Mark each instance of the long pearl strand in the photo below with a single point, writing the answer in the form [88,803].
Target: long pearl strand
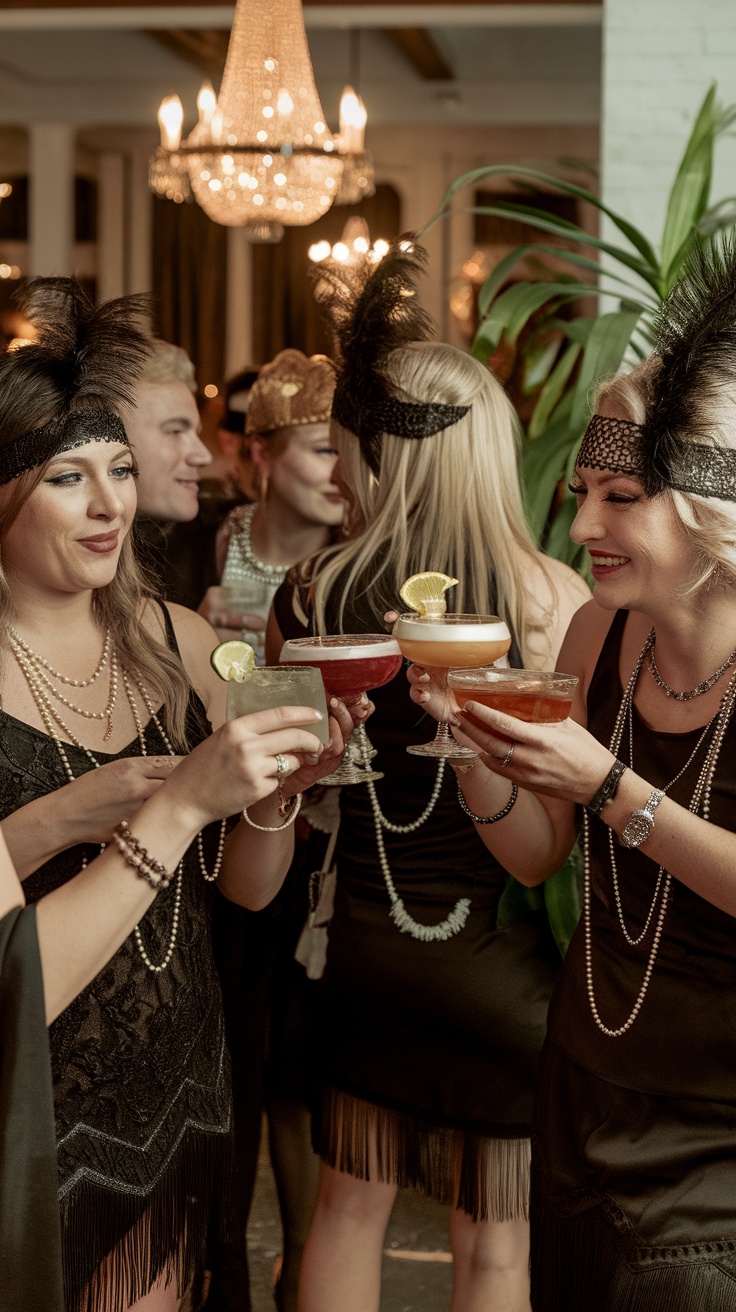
[700,798]
[404,922]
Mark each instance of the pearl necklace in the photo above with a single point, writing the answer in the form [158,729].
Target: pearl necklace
[42,672]
[52,720]
[249,566]
[398,913]
[705,686]
[700,798]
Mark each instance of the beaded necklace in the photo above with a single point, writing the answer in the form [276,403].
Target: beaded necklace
[245,563]
[405,923]
[700,800]
[29,663]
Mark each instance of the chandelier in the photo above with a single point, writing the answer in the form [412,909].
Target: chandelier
[354,245]
[358,178]
[261,155]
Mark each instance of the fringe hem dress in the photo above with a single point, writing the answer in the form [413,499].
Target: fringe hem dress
[634,1175]
[427,1052]
[140,1070]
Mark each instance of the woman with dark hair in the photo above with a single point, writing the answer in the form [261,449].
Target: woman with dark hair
[634,1201]
[105,742]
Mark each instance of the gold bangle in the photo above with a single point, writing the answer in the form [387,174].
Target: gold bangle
[275,829]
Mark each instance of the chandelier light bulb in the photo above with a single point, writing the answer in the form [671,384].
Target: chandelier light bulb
[170,119]
[319,251]
[340,252]
[206,103]
[284,104]
[353,118]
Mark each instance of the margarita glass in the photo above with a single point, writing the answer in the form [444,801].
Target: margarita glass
[537,696]
[440,641]
[350,664]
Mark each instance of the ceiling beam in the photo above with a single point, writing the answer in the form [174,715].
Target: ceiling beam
[205,48]
[418,46]
[58,15]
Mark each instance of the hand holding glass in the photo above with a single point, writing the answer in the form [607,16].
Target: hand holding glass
[268,686]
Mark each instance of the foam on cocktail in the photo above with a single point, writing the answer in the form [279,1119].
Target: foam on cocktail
[333,649]
[419,629]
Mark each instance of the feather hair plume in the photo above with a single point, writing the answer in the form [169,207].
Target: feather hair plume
[373,310]
[696,342]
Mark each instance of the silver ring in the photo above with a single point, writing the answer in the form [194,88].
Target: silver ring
[282,767]
[507,757]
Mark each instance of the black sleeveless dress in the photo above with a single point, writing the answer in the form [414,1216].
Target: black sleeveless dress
[634,1199]
[139,1064]
[432,1047]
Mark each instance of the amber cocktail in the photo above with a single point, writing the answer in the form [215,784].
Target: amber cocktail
[350,664]
[537,696]
[441,641]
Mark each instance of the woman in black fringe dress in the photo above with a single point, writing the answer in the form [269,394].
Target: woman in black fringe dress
[634,1166]
[139,1065]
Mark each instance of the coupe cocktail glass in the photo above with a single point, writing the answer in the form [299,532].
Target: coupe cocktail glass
[537,696]
[267,686]
[440,641]
[350,664]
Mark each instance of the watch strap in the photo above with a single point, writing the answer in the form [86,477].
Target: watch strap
[608,788]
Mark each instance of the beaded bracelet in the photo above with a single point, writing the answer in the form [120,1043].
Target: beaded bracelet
[487,819]
[275,829]
[136,855]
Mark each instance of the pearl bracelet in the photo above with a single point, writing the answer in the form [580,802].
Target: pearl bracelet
[275,829]
[487,819]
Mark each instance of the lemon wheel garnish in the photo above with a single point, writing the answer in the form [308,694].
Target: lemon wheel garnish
[425,593]
[233,660]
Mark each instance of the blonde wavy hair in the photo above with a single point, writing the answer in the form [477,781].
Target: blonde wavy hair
[709,522]
[121,607]
[450,502]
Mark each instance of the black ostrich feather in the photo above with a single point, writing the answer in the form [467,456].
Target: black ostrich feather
[373,310]
[91,356]
[696,342]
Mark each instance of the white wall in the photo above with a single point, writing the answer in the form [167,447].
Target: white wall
[659,58]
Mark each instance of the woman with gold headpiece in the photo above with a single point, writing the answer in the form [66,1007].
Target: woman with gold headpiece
[634,1199]
[430,1037]
[104,743]
[297,509]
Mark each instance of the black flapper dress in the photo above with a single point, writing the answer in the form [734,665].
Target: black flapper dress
[430,1050]
[634,1197]
[139,1065]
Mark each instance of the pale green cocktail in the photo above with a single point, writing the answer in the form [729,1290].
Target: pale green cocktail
[267,686]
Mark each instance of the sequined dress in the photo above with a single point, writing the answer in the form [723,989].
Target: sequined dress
[139,1065]
[253,582]
[431,1047]
[634,1194]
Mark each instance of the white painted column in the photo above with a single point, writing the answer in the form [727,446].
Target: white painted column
[110,226]
[51,170]
[140,225]
[239,316]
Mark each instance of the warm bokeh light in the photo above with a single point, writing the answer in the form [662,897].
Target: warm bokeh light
[170,119]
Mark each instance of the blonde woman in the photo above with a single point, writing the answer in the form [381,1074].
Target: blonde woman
[105,742]
[429,1047]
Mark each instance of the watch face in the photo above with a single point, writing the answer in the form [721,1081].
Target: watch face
[638,828]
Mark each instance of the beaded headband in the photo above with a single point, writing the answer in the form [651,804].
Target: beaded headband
[617,445]
[63,433]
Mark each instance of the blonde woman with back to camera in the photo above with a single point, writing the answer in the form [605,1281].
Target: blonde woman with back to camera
[428,1048]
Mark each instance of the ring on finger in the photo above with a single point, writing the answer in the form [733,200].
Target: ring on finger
[282,768]
[507,758]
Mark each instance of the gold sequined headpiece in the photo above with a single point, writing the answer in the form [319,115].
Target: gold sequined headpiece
[292,390]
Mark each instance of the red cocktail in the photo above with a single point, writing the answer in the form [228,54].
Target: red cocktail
[350,664]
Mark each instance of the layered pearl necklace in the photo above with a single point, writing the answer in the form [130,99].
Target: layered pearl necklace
[244,563]
[405,923]
[700,800]
[38,674]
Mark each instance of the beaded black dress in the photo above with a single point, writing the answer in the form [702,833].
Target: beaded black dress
[634,1166]
[139,1065]
[431,1046]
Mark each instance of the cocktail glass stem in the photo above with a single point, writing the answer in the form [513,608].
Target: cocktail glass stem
[443,744]
[353,769]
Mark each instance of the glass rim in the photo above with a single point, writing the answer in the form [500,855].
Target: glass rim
[495,674]
[452,617]
[339,640]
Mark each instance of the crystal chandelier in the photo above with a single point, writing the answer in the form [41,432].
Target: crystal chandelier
[261,155]
[353,246]
[168,174]
[358,177]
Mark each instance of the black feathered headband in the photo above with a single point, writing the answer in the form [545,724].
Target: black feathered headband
[372,309]
[83,367]
[696,345]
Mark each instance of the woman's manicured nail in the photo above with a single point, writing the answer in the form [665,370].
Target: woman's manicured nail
[333,703]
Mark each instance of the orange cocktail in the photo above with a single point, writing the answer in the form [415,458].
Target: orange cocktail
[441,641]
[537,696]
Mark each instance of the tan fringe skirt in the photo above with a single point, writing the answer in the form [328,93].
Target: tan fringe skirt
[487,1178]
